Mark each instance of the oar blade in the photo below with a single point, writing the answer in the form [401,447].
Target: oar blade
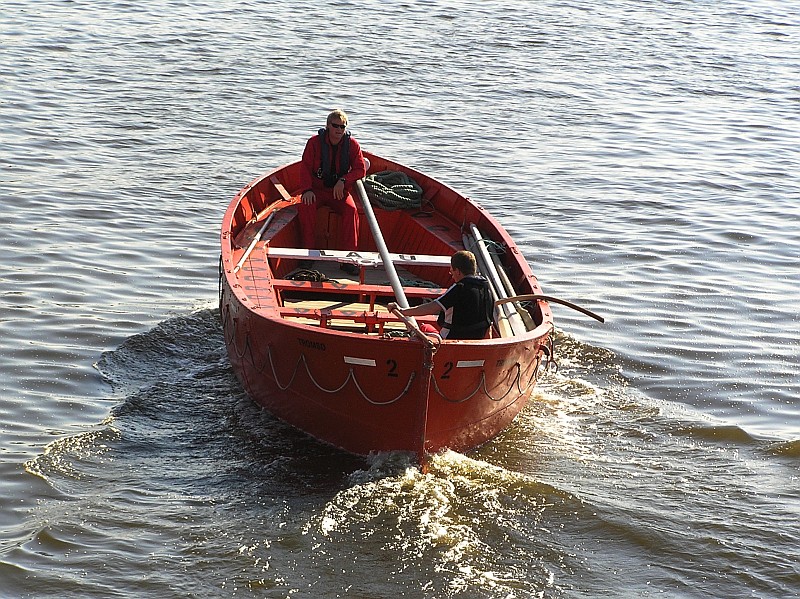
[248,233]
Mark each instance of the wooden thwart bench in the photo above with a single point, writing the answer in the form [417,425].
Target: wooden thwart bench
[366,293]
[366,311]
[345,315]
[359,258]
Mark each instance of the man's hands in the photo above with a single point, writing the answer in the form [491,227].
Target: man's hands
[338,190]
[308,197]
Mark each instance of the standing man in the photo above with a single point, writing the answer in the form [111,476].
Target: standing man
[333,163]
[466,309]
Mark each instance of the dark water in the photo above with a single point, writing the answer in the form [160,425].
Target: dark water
[644,156]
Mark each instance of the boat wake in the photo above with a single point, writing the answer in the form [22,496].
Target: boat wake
[458,517]
[188,474]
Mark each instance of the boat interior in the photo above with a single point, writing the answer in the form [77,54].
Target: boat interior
[322,294]
[325,295]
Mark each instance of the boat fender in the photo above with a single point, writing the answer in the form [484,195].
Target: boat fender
[549,352]
[326,171]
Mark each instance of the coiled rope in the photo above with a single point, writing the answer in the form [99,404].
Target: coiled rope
[393,190]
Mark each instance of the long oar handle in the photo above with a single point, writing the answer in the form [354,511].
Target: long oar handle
[548,298]
[272,209]
[253,243]
[391,271]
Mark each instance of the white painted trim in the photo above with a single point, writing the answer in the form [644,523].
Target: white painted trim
[469,363]
[359,361]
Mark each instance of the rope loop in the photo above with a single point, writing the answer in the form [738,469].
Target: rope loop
[393,190]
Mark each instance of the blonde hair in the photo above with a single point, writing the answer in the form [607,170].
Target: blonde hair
[337,113]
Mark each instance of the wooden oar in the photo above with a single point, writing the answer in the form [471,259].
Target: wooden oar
[510,291]
[253,243]
[274,207]
[412,326]
[508,321]
[548,298]
[250,230]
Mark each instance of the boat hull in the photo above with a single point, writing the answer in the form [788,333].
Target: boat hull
[367,393]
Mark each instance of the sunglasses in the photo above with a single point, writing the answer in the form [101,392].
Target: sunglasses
[342,127]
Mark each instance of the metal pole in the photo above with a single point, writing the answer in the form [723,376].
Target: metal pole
[399,294]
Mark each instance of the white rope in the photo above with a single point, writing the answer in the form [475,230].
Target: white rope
[350,375]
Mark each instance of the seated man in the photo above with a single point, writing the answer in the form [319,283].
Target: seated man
[466,308]
[333,163]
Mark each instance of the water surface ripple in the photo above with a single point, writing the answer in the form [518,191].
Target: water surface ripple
[645,158]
